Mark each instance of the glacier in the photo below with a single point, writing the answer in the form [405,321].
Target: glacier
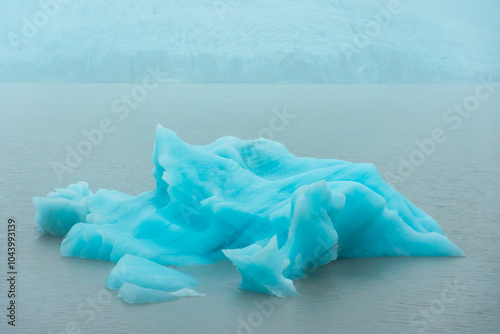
[135,294]
[271,213]
[317,41]
[147,274]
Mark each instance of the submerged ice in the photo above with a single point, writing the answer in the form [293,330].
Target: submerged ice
[147,274]
[250,201]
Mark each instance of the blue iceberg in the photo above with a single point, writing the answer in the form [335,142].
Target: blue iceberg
[147,274]
[250,201]
[142,281]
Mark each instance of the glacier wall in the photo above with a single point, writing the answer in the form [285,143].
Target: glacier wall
[318,41]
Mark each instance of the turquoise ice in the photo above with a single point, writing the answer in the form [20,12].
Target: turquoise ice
[147,274]
[62,209]
[134,294]
[142,281]
[251,201]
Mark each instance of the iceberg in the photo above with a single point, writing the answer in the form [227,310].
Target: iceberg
[62,209]
[142,281]
[273,214]
[147,274]
[134,294]
[261,269]
[186,292]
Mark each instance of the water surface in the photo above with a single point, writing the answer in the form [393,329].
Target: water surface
[458,184]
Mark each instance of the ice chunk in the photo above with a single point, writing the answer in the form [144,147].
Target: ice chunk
[261,269]
[62,209]
[143,281]
[312,239]
[272,213]
[311,242]
[186,292]
[134,294]
[147,274]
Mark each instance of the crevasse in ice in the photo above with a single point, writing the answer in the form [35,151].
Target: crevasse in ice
[250,201]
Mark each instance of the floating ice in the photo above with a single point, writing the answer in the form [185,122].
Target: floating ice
[62,209]
[147,274]
[186,292]
[262,269]
[143,281]
[273,214]
[134,294]
[311,242]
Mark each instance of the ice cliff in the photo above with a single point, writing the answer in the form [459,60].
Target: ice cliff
[338,41]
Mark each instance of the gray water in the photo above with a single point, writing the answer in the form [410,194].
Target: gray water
[458,184]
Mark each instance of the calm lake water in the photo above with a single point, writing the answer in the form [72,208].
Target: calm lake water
[457,182]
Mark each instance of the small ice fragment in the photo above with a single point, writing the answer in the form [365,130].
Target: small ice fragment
[134,294]
[147,274]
